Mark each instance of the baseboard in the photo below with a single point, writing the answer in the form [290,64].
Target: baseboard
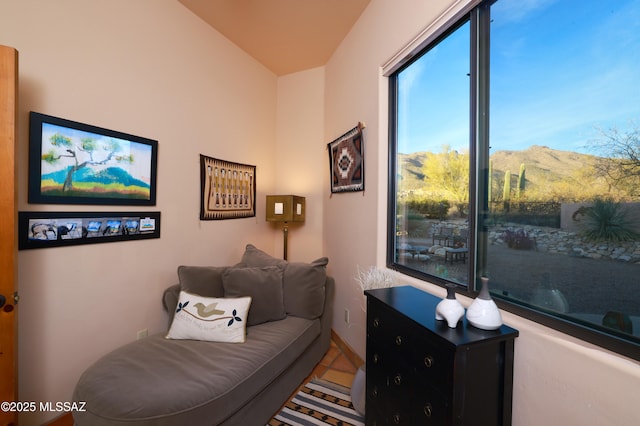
[346,349]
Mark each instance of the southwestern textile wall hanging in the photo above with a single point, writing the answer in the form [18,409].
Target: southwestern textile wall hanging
[228,189]
[346,158]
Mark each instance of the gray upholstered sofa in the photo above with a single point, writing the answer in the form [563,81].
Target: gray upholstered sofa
[182,381]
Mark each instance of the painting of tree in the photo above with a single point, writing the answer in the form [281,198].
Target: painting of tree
[90,165]
[95,154]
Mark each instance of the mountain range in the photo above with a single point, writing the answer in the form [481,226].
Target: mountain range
[543,165]
[104,177]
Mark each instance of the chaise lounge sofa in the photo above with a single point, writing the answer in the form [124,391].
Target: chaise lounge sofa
[178,378]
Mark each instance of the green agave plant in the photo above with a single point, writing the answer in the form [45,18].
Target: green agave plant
[607,221]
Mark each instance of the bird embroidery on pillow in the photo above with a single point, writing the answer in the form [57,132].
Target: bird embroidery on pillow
[208,310]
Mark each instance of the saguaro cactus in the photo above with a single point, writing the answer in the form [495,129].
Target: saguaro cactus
[521,180]
[506,191]
[490,183]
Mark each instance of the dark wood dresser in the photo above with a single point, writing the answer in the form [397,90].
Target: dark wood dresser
[421,372]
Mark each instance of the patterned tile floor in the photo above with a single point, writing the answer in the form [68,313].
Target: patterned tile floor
[335,367]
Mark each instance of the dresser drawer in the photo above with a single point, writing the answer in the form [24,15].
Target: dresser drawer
[389,372]
[391,333]
[389,396]
[383,324]
[433,365]
[386,406]
[430,409]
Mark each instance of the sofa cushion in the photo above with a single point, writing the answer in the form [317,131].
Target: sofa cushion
[171,382]
[253,256]
[170,300]
[304,288]
[210,319]
[263,285]
[202,280]
[303,283]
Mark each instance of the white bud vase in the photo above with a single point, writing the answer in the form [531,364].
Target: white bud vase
[450,309]
[483,312]
[359,391]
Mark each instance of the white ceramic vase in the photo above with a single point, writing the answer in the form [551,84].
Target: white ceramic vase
[450,309]
[483,312]
[358,391]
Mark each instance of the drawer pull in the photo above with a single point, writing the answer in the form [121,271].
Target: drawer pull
[376,322]
[374,392]
[398,340]
[376,358]
[397,379]
[428,361]
[428,410]
[396,419]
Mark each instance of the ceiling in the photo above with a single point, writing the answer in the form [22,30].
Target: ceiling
[286,36]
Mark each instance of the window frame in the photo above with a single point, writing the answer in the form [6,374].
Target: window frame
[392,211]
[479,16]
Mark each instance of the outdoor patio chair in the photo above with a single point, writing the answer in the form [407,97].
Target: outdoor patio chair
[442,234]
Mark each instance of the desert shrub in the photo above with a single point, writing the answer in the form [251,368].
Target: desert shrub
[431,209]
[607,221]
[551,221]
[518,239]
[412,224]
[534,213]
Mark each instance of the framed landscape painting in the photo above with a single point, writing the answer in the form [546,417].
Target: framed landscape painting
[75,163]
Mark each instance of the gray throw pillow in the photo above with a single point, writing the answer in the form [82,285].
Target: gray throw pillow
[202,280]
[255,257]
[263,285]
[304,288]
[303,283]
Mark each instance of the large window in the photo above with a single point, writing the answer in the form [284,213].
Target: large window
[515,154]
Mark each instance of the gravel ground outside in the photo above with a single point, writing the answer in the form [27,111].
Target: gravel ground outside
[591,286]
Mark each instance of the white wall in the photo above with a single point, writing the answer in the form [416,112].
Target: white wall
[301,159]
[355,223]
[149,68]
[558,380]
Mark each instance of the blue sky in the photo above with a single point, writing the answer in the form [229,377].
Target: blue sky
[561,70]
